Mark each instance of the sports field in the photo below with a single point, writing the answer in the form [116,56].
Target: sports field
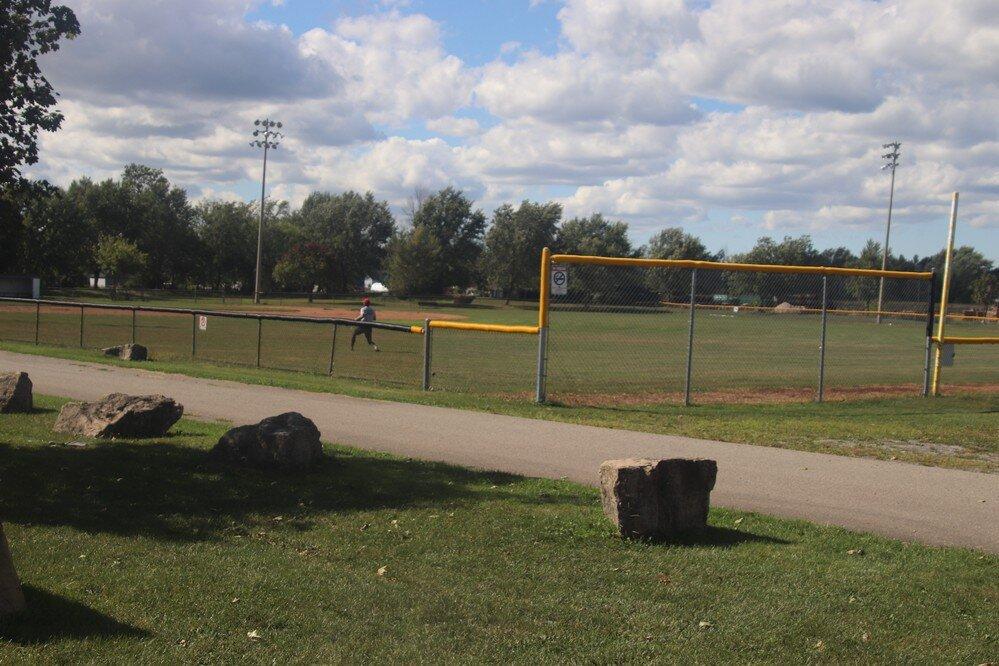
[598,357]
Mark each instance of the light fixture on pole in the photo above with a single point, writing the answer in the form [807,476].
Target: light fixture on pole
[267,130]
[891,162]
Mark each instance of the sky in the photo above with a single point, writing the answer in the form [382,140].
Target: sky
[733,119]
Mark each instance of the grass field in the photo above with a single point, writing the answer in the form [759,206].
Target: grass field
[955,430]
[593,357]
[147,552]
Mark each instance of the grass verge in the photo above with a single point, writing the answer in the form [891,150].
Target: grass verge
[955,431]
[148,552]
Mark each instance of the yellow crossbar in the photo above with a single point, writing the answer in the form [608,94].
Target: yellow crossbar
[722,266]
[966,341]
[489,328]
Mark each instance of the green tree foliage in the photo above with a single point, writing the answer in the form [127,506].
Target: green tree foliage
[773,288]
[43,234]
[593,235]
[28,29]
[304,266]
[966,265]
[672,285]
[985,289]
[596,235]
[227,231]
[415,259]
[449,218]
[120,259]
[514,243]
[354,228]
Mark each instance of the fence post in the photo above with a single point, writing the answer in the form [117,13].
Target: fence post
[540,389]
[332,349]
[38,313]
[822,339]
[194,333]
[133,326]
[427,351]
[260,322]
[690,337]
[944,296]
[930,305]
[81,327]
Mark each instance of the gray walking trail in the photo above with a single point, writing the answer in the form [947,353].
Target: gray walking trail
[912,502]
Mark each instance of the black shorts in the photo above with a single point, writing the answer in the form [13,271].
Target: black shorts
[362,330]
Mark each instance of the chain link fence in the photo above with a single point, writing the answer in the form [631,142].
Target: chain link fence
[276,342]
[641,333]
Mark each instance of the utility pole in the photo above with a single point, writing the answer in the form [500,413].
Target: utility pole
[891,162]
[270,136]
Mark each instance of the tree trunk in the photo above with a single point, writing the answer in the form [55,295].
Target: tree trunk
[11,597]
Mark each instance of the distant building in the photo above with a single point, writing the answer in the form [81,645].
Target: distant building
[20,286]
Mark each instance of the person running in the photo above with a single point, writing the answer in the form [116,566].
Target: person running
[367,315]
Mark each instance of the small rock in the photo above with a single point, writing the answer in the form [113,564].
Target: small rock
[288,441]
[15,393]
[129,352]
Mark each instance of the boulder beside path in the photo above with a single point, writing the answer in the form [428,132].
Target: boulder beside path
[129,352]
[287,441]
[657,499]
[15,393]
[120,415]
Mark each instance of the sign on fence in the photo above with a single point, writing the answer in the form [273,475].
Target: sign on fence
[202,322]
[947,355]
[560,280]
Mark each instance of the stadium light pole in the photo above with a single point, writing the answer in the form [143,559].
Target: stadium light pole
[891,162]
[268,135]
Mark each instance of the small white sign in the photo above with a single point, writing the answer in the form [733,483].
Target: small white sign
[202,322]
[560,280]
[947,355]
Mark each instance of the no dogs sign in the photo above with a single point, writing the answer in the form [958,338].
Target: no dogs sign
[560,280]
[202,323]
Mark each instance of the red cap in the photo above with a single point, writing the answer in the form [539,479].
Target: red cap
[366,301]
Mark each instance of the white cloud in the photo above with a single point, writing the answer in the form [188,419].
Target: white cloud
[451,126]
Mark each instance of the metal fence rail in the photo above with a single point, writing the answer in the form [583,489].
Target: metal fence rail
[273,341]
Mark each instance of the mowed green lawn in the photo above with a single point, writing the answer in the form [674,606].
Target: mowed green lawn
[148,552]
[594,357]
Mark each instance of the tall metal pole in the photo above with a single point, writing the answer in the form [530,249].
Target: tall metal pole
[822,338]
[944,296]
[332,350]
[38,316]
[260,227]
[690,337]
[544,291]
[931,302]
[270,135]
[892,157]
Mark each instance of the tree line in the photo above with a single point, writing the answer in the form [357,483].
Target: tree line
[139,230]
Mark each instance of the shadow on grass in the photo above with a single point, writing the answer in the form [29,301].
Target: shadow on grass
[173,492]
[50,617]
[720,537]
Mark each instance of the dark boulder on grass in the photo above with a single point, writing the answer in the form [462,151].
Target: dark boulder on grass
[15,393]
[120,415]
[657,499]
[288,441]
[129,352]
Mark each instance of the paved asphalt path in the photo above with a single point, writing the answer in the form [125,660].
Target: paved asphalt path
[927,504]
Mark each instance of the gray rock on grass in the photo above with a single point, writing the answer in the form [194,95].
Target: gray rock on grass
[129,352]
[15,393]
[288,441]
[657,499]
[120,415]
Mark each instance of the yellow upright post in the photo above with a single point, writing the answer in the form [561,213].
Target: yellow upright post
[539,386]
[944,295]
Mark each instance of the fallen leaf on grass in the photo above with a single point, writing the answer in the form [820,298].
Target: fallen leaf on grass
[865,637]
[704,624]
[738,521]
[664,579]
[382,571]
[820,646]
[855,551]
[253,635]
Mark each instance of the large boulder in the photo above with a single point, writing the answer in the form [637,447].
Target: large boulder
[15,392]
[657,499]
[288,441]
[129,352]
[11,597]
[120,415]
